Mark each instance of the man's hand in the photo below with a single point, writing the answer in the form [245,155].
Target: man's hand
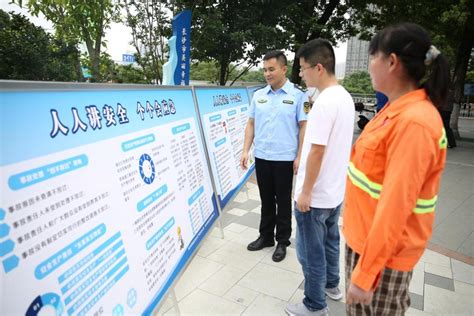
[296,164]
[303,202]
[356,295]
[243,160]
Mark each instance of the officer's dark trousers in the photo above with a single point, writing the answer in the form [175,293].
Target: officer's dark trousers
[275,180]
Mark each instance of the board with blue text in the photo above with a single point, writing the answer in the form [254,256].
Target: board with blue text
[105,195]
[224,117]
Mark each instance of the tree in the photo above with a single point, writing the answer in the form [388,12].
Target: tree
[463,15]
[78,21]
[358,82]
[150,27]
[470,72]
[62,62]
[29,53]
[450,24]
[304,20]
[253,76]
[129,74]
[232,33]
[24,49]
[209,71]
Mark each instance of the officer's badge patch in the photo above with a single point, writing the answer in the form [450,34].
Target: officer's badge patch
[262,101]
[306,107]
[288,101]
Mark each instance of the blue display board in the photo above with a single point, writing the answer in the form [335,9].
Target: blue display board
[106,194]
[251,90]
[224,116]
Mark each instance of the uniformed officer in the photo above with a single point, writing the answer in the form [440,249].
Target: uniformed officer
[276,125]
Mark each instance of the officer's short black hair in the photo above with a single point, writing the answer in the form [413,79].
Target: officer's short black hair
[318,51]
[278,54]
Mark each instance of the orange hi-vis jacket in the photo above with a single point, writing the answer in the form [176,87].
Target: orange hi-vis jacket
[393,181]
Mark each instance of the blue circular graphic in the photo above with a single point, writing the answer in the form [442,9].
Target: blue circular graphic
[147,168]
[51,299]
[132,298]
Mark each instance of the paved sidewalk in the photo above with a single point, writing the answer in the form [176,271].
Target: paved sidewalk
[226,279]
[454,222]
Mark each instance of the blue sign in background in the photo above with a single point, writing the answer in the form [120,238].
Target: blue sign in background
[182,30]
[127,58]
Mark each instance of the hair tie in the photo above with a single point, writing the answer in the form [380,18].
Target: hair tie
[431,55]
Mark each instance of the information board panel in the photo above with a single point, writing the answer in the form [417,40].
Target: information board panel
[224,116]
[106,194]
[251,90]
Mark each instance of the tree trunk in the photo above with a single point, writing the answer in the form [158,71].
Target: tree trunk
[77,66]
[295,71]
[95,71]
[463,55]
[223,73]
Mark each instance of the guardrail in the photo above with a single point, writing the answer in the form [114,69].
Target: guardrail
[466,110]
[364,98]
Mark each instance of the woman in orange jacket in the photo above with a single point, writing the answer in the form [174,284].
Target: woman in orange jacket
[394,172]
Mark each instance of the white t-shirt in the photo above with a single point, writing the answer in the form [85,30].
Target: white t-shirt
[330,123]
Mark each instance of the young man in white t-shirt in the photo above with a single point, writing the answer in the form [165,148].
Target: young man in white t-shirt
[321,179]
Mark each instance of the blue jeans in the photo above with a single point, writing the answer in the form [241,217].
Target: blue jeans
[317,248]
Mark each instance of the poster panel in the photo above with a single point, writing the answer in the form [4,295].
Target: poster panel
[251,90]
[224,116]
[105,195]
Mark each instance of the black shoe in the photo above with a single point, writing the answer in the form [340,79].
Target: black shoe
[280,253]
[260,243]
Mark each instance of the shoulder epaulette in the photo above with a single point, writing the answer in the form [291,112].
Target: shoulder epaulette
[300,87]
[260,87]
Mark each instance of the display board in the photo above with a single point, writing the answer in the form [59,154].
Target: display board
[105,195]
[251,90]
[224,116]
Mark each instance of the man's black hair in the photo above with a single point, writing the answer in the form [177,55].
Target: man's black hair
[278,54]
[318,51]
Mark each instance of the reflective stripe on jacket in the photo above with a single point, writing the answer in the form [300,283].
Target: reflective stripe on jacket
[393,182]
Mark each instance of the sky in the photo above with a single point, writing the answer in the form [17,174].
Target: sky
[118,36]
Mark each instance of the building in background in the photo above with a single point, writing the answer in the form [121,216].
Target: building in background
[357,58]
[340,70]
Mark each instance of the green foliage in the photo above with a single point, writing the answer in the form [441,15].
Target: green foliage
[78,21]
[150,26]
[253,76]
[470,71]
[27,52]
[61,65]
[209,71]
[440,18]
[128,74]
[450,24]
[470,77]
[358,82]
[231,33]
[304,20]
